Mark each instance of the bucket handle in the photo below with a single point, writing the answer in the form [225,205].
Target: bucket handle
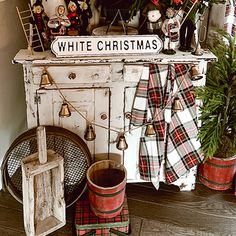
[118,233]
[42,144]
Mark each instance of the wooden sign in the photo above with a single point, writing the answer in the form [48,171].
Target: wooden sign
[82,46]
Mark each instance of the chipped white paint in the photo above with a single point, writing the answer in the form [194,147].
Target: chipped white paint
[103,85]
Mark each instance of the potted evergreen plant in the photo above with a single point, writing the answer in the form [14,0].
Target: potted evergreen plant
[217,133]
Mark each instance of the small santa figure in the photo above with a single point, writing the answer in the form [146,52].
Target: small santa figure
[152,13]
[74,28]
[170,29]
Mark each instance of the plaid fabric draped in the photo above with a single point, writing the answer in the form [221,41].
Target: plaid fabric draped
[175,141]
[230,18]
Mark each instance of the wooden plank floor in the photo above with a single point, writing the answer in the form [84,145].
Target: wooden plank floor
[165,212]
[171,212]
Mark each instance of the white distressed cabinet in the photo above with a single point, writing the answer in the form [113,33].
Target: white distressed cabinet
[102,90]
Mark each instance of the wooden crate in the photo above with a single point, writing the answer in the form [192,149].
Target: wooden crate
[43,190]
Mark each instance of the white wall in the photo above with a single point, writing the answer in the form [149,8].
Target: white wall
[12,99]
[216,21]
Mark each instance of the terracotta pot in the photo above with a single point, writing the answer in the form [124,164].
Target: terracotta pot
[217,173]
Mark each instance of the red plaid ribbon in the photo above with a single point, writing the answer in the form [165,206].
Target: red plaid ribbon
[176,140]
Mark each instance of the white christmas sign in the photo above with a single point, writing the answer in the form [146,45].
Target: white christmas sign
[82,46]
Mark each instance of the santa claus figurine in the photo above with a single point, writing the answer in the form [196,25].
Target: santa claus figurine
[74,28]
[170,29]
[151,12]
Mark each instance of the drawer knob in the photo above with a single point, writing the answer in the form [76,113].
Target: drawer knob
[128,115]
[72,75]
[103,116]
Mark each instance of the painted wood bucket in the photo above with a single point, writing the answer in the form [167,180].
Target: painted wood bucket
[106,188]
[217,173]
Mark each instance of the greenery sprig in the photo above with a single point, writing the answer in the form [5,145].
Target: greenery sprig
[218,113]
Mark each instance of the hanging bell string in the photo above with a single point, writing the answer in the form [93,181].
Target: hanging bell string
[65,110]
[121,143]
[46,80]
[150,130]
[113,129]
[89,134]
[169,102]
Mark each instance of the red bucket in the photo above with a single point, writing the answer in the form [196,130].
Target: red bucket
[106,188]
[217,173]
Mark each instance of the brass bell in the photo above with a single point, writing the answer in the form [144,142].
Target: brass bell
[46,80]
[121,144]
[89,134]
[177,106]
[195,74]
[65,111]
[150,131]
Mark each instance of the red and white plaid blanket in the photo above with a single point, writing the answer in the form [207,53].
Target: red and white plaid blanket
[176,141]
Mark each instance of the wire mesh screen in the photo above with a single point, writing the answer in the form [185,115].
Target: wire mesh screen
[70,146]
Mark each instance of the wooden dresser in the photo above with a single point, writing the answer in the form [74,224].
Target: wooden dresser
[102,90]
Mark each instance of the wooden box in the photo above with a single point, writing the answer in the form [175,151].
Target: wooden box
[43,191]
[89,224]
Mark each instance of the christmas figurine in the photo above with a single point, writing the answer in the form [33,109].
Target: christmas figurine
[59,22]
[188,26]
[41,19]
[85,13]
[151,12]
[170,29]
[74,28]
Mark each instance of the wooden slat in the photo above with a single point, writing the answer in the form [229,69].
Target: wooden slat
[182,217]
[185,201]
[42,144]
[11,218]
[163,212]
[11,232]
[7,201]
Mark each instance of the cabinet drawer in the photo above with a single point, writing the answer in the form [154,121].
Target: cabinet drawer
[74,74]
[132,73]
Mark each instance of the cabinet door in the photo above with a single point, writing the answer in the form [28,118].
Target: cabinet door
[86,105]
[132,153]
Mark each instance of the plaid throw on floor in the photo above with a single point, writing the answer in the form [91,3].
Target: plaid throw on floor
[175,141]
